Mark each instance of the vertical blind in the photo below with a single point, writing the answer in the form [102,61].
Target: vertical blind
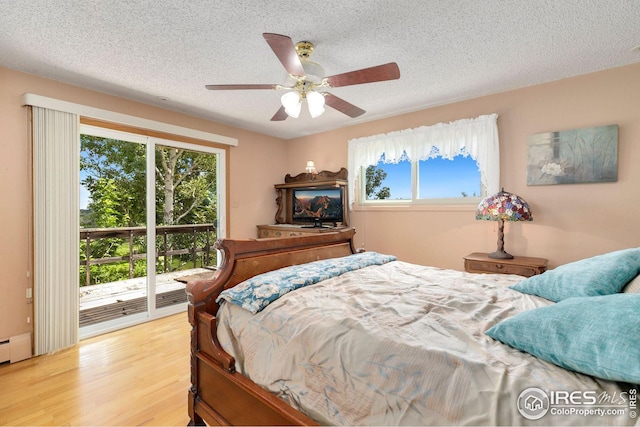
[56,155]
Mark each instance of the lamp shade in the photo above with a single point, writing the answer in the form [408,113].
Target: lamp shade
[291,102]
[315,102]
[503,206]
[311,167]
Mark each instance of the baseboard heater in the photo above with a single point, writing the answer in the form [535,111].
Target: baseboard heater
[15,348]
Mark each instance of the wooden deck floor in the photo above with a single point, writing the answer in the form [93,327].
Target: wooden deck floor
[108,301]
[135,376]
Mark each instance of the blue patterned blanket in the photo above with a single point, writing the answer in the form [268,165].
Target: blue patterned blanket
[259,291]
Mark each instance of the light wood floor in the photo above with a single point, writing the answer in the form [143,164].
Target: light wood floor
[136,376]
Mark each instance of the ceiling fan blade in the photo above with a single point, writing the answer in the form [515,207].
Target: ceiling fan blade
[342,105]
[378,73]
[280,115]
[285,50]
[240,87]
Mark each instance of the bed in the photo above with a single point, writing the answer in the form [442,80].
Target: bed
[306,331]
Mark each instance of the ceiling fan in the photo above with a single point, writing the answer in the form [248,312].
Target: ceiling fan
[307,77]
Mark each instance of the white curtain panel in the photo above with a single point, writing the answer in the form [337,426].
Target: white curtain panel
[56,159]
[478,137]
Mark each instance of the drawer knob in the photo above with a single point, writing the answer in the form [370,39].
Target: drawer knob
[499,266]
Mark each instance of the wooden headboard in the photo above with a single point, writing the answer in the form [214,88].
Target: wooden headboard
[242,259]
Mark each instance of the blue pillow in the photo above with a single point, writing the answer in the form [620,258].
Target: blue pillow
[597,336]
[600,275]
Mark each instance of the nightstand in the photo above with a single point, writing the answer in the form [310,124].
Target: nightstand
[479,262]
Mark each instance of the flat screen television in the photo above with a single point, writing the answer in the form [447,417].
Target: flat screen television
[317,206]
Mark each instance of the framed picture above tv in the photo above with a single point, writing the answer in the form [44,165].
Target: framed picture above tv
[317,206]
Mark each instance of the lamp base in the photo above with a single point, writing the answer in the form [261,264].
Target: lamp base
[500,255]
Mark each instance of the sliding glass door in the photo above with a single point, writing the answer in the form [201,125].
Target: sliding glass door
[148,214]
[186,212]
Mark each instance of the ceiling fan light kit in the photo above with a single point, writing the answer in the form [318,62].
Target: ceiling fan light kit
[315,101]
[292,104]
[307,76]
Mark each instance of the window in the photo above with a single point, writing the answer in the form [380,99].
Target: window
[438,179]
[135,189]
[456,162]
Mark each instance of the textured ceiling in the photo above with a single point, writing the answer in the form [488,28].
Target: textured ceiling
[163,52]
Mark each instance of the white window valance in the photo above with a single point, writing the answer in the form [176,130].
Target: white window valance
[475,137]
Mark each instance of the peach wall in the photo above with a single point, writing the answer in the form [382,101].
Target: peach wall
[251,183]
[570,221]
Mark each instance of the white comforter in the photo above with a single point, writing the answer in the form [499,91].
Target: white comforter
[399,344]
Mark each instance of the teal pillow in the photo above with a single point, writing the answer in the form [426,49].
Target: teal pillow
[600,275]
[597,336]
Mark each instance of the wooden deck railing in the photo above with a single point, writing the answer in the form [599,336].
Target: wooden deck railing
[92,234]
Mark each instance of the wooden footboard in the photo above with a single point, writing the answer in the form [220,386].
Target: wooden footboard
[219,395]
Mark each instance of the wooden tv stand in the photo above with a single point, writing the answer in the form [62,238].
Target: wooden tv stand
[291,230]
[322,179]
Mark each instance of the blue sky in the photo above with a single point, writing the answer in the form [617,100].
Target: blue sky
[84,193]
[438,178]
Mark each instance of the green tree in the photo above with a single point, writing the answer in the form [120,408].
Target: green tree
[186,193]
[186,185]
[374,178]
[114,173]
[107,202]
[115,176]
